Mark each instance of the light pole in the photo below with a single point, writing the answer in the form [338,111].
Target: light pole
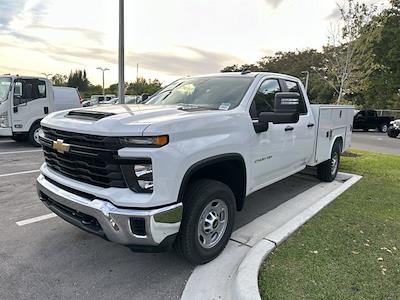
[103,70]
[307,78]
[121,55]
[47,75]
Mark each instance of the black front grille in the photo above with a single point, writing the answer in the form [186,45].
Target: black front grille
[84,140]
[90,159]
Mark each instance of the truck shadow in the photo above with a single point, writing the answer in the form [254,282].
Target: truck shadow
[267,199]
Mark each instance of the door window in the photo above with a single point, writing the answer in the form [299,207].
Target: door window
[295,88]
[264,101]
[26,90]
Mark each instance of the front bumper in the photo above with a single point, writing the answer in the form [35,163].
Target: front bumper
[129,227]
[6,131]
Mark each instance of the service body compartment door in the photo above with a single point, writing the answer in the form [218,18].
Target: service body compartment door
[333,121]
[323,141]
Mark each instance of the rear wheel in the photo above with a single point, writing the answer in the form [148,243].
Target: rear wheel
[207,224]
[328,170]
[33,135]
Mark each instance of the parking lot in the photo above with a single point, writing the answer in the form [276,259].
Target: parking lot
[41,256]
[375,141]
[45,257]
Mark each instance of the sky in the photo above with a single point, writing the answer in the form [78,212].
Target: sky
[168,39]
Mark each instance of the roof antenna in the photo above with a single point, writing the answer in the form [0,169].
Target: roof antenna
[244,72]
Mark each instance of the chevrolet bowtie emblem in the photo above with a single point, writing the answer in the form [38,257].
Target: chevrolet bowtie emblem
[59,146]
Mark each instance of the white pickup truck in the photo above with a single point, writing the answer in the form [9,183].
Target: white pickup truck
[26,100]
[177,169]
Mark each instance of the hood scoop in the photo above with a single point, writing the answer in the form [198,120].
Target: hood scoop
[88,115]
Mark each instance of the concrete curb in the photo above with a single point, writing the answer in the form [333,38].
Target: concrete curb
[245,284]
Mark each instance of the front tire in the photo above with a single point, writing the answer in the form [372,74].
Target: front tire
[33,135]
[208,218]
[328,170]
[19,137]
[392,132]
[383,128]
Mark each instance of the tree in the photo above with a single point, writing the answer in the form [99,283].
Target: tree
[141,86]
[78,79]
[59,80]
[343,45]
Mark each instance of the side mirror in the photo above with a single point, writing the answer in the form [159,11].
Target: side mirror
[286,109]
[287,102]
[279,118]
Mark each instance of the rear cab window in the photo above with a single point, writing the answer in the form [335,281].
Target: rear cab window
[294,87]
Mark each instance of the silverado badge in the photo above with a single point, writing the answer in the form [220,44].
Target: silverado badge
[59,146]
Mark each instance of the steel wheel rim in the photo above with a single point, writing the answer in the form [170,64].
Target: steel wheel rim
[212,224]
[37,134]
[334,163]
[384,128]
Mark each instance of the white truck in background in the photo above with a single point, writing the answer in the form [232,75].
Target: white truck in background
[177,169]
[25,101]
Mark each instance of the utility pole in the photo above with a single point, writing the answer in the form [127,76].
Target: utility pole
[121,54]
[137,72]
[307,78]
[103,70]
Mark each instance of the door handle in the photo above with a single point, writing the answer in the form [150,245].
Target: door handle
[310,125]
[289,128]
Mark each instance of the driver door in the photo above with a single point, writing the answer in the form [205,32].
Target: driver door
[271,148]
[30,103]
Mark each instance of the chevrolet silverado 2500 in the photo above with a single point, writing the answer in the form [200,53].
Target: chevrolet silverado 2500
[177,169]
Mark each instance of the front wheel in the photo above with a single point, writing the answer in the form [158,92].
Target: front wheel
[328,170]
[207,224]
[392,132]
[383,128]
[34,134]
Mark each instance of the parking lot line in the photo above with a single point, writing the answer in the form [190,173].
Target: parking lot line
[17,152]
[19,173]
[36,219]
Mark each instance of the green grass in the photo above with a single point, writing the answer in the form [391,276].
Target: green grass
[350,250]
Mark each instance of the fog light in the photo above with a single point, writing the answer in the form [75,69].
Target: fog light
[138,226]
[114,224]
[144,175]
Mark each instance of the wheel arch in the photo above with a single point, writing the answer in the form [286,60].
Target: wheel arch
[217,168]
[339,139]
[37,121]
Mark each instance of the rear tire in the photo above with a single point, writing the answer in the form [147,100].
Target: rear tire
[208,218]
[328,170]
[33,135]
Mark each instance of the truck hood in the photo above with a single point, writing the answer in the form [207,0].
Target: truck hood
[119,120]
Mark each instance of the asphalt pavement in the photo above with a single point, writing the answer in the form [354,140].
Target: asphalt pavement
[375,141]
[49,258]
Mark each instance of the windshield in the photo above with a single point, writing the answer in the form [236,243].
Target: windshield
[5,84]
[222,93]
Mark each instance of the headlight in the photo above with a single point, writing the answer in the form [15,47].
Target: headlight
[145,141]
[4,120]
